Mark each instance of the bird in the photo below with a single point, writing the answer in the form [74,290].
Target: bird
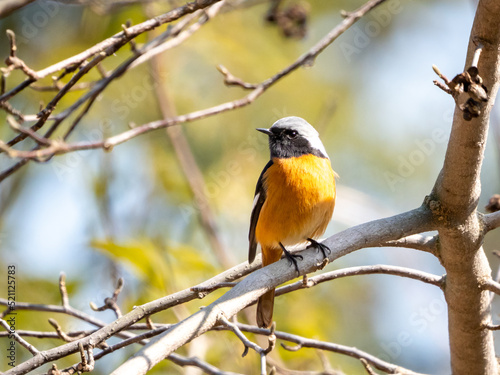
[294,199]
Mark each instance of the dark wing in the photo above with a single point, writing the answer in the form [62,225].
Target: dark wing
[258,201]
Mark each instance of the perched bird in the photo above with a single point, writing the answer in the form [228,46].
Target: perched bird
[294,199]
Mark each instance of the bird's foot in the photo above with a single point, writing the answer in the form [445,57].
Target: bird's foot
[292,258]
[325,250]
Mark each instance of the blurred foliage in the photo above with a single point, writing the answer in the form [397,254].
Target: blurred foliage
[130,213]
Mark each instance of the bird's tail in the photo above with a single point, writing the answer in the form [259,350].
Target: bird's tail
[265,305]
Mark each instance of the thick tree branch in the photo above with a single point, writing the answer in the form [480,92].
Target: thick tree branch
[248,290]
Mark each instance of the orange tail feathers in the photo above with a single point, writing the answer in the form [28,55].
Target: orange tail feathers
[265,306]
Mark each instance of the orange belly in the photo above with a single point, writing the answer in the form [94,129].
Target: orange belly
[299,202]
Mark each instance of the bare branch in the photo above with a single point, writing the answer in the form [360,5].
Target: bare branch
[61,334]
[110,302]
[114,43]
[14,62]
[303,342]
[28,132]
[306,59]
[211,288]
[231,80]
[47,335]
[367,367]
[148,51]
[491,285]
[9,6]
[492,327]
[363,270]
[18,338]
[63,290]
[455,197]
[491,221]
[248,290]
[118,325]
[196,362]
[246,342]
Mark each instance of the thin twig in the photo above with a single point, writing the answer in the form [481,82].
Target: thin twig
[90,96]
[63,291]
[27,131]
[18,338]
[477,55]
[246,342]
[304,60]
[61,334]
[115,42]
[47,335]
[303,342]
[110,303]
[367,367]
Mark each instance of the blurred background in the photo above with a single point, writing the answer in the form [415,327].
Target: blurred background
[131,212]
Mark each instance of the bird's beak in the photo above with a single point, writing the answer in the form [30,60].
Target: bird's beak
[265,131]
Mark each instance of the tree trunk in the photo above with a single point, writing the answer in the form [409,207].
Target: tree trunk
[454,202]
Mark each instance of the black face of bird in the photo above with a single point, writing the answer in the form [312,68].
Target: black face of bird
[287,143]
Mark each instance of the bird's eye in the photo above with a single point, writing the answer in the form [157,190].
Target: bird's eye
[291,134]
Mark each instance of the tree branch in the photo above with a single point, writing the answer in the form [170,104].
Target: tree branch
[9,6]
[248,290]
[125,321]
[416,241]
[305,60]
[18,338]
[491,221]
[149,50]
[491,285]
[363,270]
[115,42]
[350,351]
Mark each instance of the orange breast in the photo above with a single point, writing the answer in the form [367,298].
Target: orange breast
[299,203]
